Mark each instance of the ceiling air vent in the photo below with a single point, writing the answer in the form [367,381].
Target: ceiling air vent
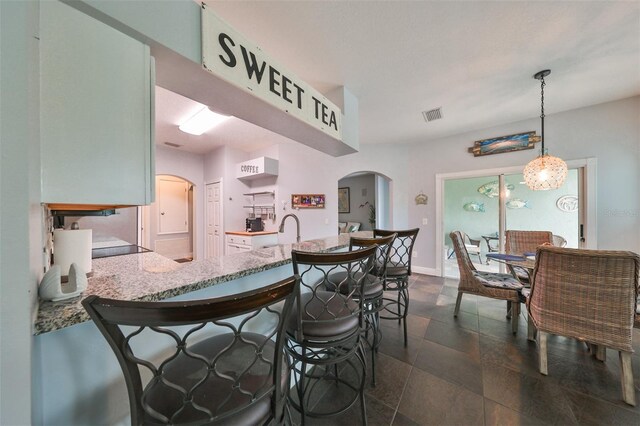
[431,115]
[175,145]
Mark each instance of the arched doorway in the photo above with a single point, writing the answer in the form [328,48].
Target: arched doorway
[168,224]
[364,202]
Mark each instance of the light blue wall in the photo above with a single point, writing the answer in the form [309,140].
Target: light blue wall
[21,258]
[457,193]
[541,213]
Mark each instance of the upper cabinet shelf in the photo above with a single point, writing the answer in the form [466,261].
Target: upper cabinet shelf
[96,97]
[260,193]
[257,168]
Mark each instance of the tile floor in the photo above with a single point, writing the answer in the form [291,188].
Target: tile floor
[473,371]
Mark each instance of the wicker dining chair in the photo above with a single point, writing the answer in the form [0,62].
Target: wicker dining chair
[588,295]
[223,363]
[520,242]
[473,247]
[559,241]
[487,284]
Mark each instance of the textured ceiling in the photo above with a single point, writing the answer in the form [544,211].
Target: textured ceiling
[473,59]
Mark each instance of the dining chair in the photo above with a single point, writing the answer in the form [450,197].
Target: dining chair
[589,295]
[559,241]
[487,284]
[223,362]
[324,330]
[398,271]
[373,290]
[473,247]
[521,242]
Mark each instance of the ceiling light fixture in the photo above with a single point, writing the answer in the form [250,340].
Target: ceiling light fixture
[201,121]
[545,172]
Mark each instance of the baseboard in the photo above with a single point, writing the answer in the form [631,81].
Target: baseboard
[425,271]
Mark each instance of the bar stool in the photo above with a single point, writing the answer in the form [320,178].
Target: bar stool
[397,274]
[325,326]
[373,291]
[224,364]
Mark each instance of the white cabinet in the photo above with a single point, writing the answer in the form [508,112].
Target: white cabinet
[96,101]
[239,242]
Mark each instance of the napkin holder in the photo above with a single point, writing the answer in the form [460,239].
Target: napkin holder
[52,288]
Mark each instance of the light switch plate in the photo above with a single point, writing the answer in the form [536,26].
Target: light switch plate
[414,253]
[425,221]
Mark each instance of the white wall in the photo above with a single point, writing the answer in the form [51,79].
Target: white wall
[303,170]
[608,132]
[221,164]
[361,190]
[21,228]
[187,166]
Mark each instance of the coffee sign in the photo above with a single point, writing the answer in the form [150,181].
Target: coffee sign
[227,54]
[257,168]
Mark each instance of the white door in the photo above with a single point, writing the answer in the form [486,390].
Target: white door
[214,220]
[173,206]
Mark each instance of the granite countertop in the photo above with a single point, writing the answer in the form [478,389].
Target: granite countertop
[152,277]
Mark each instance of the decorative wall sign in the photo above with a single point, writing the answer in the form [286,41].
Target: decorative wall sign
[421,198]
[567,203]
[257,168]
[343,200]
[229,55]
[502,144]
[492,189]
[474,207]
[307,201]
[517,203]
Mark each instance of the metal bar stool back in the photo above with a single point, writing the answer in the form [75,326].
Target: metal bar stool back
[324,329]
[398,270]
[374,291]
[213,361]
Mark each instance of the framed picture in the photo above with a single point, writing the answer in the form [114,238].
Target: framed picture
[502,144]
[343,200]
[307,201]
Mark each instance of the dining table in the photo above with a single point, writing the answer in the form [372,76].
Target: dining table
[525,262]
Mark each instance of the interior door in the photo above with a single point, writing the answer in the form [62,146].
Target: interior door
[214,220]
[173,206]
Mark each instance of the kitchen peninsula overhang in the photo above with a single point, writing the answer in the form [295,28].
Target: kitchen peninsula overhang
[228,54]
[178,63]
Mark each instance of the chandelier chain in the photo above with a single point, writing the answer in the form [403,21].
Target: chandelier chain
[542,84]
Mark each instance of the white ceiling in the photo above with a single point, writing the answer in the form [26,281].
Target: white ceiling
[473,59]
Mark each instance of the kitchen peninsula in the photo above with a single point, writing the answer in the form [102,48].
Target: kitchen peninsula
[71,354]
[152,277]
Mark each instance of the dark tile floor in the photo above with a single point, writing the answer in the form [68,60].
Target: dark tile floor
[472,370]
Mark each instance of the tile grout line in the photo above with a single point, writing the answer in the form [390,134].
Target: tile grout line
[404,388]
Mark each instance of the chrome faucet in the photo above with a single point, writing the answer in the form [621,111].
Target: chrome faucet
[281,230]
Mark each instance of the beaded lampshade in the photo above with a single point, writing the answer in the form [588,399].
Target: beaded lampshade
[545,172]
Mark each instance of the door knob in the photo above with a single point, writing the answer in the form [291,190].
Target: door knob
[162,213]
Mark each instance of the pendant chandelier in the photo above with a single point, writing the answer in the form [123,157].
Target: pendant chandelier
[545,172]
